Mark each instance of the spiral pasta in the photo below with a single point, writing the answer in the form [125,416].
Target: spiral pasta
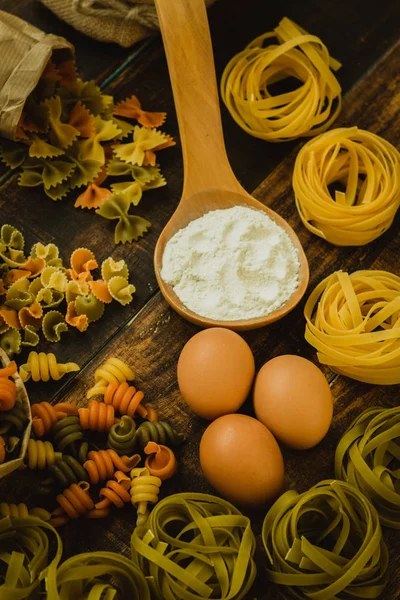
[306,111]
[160,461]
[75,500]
[353,321]
[14,418]
[367,457]
[43,367]
[115,492]
[8,390]
[67,470]
[21,510]
[68,437]
[325,543]
[101,464]
[161,433]
[145,489]
[44,416]
[97,416]
[2,450]
[114,370]
[362,163]
[196,546]
[40,455]
[127,401]
[104,575]
[121,436]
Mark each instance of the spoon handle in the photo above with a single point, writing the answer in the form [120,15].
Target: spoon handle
[187,42]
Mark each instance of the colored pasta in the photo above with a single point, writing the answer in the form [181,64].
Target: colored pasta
[97,416]
[353,323]
[44,416]
[325,543]
[2,450]
[160,432]
[308,110]
[362,164]
[367,457]
[121,436]
[115,492]
[65,470]
[196,546]
[68,437]
[101,575]
[145,489]
[40,455]
[102,464]
[124,398]
[14,418]
[161,461]
[114,370]
[43,367]
[8,390]
[75,501]
[21,510]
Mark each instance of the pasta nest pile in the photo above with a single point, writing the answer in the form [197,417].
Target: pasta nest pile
[364,171]
[325,543]
[196,546]
[353,321]
[307,110]
[368,457]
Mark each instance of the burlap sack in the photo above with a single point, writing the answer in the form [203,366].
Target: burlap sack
[121,21]
[22,396]
[25,52]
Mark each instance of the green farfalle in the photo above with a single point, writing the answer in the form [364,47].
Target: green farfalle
[97,576]
[55,172]
[132,190]
[53,325]
[121,290]
[86,92]
[58,192]
[25,546]
[143,139]
[13,154]
[18,295]
[86,169]
[10,342]
[31,337]
[30,178]
[89,306]
[61,134]
[41,149]
[125,128]
[129,227]
[195,546]
[11,237]
[54,278]
[75,289]
[157,182]
[111,268]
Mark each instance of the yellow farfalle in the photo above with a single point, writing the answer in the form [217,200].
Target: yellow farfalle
[143,139]
[132,190]
[104,132]
[41,149]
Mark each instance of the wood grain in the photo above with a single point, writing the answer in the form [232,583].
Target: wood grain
[154,335]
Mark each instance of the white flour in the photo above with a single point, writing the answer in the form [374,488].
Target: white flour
[232,264]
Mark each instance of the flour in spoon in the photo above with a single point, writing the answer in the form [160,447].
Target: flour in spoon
[232,264]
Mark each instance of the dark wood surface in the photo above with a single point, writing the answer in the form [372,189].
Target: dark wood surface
[147,334]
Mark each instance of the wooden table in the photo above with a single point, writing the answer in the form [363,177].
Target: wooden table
[147,334]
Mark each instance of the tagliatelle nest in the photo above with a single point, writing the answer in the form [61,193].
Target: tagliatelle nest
[353,321]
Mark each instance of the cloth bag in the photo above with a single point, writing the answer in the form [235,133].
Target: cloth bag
[121,21]
[25,52]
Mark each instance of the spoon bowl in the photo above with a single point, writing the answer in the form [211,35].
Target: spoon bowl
[209,182]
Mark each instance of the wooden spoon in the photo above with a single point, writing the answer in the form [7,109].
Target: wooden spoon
[209,182]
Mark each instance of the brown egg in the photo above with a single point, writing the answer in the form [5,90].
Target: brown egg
[293,399]
[215,372]
[242,460]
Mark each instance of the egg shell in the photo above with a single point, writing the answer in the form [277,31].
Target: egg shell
[242,460]
[293,399]
[215,372]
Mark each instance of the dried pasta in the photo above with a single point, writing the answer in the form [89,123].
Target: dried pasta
[65,471]
[43,367]
[114,370]
[97,416]
[21,510]
[2,450]
[121,436]
[44,416]
[325,543]
[68,437]
[102,464]
[160,461]
[104,575]
[145,489]
[196,546]
[8,390]
[40,455]
[126,399]
[367,457]
[16,418]
[353,323]
[160,432]
[366,167]
[39,294]
[75,500]
[115,493]
[308,110]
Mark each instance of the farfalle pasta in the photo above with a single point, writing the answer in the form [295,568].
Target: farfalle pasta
[362,170]
[353,321]
[39,294]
